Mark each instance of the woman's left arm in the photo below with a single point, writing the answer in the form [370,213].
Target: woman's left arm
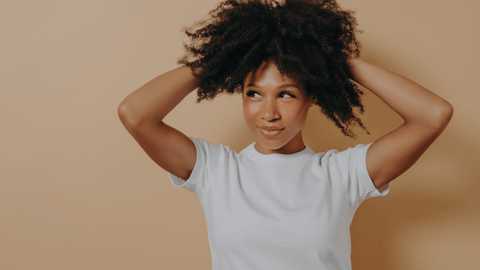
[424,113]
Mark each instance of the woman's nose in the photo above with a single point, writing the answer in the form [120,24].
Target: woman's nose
[270,110]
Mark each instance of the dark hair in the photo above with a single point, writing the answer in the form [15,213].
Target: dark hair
[308,40]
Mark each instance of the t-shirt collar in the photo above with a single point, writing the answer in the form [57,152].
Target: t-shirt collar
[251,152]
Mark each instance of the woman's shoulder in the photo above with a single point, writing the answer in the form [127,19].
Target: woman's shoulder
[342,156]
[212,149]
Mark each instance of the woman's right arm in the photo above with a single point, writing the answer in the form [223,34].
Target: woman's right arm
[142,114]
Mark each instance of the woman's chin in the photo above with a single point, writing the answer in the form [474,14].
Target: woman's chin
[270,145]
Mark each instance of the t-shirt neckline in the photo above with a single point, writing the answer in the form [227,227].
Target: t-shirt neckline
[251,152]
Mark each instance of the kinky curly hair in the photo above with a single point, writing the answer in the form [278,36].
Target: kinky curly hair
[308,40]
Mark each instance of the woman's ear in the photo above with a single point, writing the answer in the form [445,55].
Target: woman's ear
[313,101]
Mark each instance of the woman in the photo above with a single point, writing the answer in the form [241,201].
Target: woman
[277,204]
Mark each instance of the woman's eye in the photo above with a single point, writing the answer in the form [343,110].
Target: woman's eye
[253,94]
[287,95]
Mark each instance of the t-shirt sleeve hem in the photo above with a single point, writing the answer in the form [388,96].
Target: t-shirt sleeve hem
[371,190]
[195,176]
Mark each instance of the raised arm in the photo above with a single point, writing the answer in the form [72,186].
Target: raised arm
[142,113]
[424,113]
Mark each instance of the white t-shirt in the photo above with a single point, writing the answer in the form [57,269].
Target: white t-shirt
[279,212]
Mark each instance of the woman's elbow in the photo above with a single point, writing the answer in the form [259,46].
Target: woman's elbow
[126,115]
[446,112]
[442,114]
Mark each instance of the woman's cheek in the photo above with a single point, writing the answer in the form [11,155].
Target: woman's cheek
[250,110]
[249,113]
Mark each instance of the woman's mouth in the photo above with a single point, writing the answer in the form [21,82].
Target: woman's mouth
[270,132]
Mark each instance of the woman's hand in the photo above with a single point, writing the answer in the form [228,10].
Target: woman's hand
[425,114]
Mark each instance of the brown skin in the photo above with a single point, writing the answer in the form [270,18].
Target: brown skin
[142,114]
[424,113]
[266,102]
[276,101]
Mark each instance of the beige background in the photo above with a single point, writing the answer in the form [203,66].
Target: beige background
[77,192]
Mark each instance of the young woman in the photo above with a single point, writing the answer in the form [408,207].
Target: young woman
[277,204]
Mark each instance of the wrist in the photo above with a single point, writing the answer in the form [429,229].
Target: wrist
[353,66]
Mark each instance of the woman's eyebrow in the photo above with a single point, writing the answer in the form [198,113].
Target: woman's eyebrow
[284,86]
[288,85]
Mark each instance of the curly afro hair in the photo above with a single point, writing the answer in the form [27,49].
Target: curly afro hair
[308,40]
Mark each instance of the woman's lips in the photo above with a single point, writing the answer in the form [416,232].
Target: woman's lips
[270,132]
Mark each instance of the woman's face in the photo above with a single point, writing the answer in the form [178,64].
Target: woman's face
[275,108]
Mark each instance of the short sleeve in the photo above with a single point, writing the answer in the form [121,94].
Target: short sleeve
[209,157]
[351,166]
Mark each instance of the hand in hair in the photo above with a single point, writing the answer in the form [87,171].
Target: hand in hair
[310,41]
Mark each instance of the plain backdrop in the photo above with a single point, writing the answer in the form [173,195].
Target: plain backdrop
[77,192]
